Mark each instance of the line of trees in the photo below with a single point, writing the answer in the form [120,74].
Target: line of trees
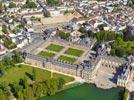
[23,90]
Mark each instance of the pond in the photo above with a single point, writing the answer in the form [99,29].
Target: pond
[86,92]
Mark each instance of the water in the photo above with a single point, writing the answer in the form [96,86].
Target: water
[86,92]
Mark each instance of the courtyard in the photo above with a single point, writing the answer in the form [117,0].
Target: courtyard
[61,52]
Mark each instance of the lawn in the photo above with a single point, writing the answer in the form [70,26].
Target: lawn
[67,59]
[46,54]
[54,47]
[14,74]
[74,52]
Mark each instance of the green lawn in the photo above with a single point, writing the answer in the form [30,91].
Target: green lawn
[16,73]
[46,54]
[74,52]
[54,47]
[67,59]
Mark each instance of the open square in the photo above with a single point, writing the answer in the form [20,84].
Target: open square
[67,59]
[74,52]
[46,54]
[54,47]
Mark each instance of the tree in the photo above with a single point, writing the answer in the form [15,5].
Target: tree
[6,89]
[112,52]
[132,1]
[132,96]
[47,14]
[64,35]
[34,74]
[51,86]
[7,61]
[128,34]
[20,95]
[30,4]
[4,29]
[2,95]
[12,5]
[23,83]
[60,83]
[2,70]
[125,96]
[1,7]
[104,36]
[52,2]
[17,57]
[44,89]
[28,94]
[120,52]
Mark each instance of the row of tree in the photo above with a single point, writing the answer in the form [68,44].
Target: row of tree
[30,91]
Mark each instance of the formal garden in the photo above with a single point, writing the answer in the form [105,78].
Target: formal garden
[61,53]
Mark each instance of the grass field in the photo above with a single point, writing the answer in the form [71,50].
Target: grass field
[14,74]
[74,52]
[67,59]
[54,47]
[46,54]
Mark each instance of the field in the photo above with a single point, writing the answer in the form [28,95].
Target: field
[16,73]
[54,47]
[46,54]
[74,52]
[67,59]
